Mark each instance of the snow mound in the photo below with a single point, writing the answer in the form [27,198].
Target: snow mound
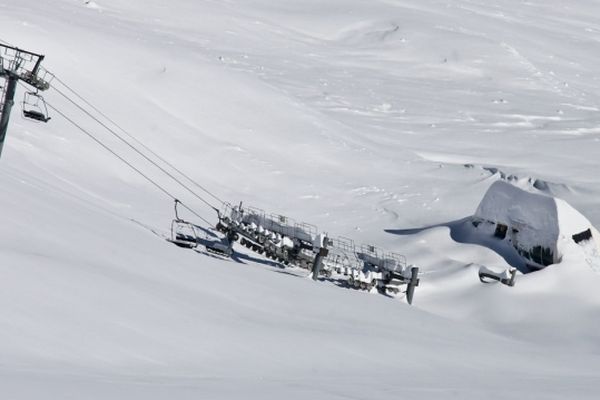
[92,4]
[537,225]
[526,182]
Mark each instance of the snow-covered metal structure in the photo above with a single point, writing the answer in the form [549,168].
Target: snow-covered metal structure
[537,225]
[24,66]
[276,236]
[506,277]
[299,244]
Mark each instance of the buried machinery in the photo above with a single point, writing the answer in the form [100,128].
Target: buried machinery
[275,236]
[291,243]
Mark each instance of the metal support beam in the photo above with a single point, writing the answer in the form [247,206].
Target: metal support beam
[412,284]
[231,236]
[36,68]
[513,276]
[318,263]
[18,50]
[7,101]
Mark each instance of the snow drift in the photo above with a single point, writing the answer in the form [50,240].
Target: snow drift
[537,225]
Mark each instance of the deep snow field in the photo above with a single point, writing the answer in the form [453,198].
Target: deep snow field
[380,120]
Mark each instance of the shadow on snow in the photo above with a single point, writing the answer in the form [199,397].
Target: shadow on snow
[463,231]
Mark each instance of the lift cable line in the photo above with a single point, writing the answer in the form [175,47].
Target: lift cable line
[130,165]
[139,142]
[134,148]
[288,242]
[275,236]
[17,64]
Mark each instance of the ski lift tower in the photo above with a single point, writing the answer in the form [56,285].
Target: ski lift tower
[18,65]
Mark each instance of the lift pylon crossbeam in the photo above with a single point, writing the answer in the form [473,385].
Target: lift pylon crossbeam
[25,65]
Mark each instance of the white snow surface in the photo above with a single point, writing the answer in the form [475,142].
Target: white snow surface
[356,116]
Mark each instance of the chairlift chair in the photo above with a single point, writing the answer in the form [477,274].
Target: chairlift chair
[183,233]
[34,107]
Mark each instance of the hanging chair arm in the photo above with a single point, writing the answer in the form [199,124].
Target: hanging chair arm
[176,213]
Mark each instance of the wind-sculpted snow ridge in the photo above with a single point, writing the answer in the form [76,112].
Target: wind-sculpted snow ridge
[542,185]
[369,34]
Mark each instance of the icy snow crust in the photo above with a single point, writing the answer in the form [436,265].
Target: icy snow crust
[355,116]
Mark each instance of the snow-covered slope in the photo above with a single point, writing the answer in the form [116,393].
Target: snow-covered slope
[357,116]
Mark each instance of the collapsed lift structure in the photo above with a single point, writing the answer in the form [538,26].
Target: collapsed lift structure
[275,236]
[21,65]
[291,243]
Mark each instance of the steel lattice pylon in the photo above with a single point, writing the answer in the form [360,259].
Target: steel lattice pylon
[18,65]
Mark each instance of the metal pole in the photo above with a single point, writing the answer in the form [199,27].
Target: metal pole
[318,263]
[35,69]
[230,241]
[513,276]
[414,282]
[8,102]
